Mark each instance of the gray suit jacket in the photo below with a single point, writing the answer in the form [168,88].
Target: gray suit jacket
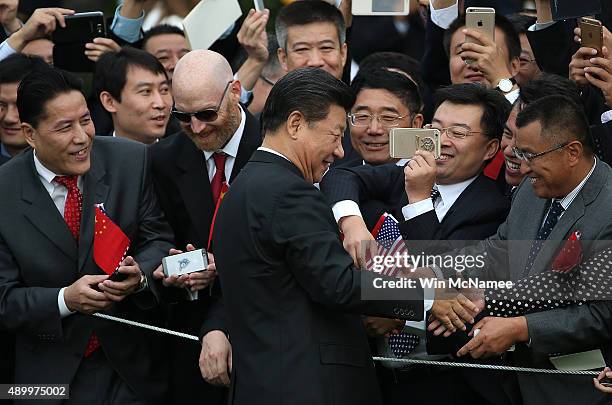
[568,330]
[38,256]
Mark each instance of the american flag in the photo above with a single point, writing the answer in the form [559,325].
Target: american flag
[389,241]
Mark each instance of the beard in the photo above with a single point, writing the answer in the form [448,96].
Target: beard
[215,136]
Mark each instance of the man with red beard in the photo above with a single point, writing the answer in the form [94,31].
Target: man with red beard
[191,170]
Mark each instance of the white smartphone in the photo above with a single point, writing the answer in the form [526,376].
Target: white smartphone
[259,5]
[381,7]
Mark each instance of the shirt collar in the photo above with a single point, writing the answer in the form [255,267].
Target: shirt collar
[231,147]
[567,200]
[44,173]
[450,192]
[263,148]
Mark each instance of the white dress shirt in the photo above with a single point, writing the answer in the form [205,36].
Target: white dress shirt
[230,149]
[58,194]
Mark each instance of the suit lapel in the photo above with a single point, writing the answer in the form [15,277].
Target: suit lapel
[42,212]
[251,140]
[95,191]
[194,186]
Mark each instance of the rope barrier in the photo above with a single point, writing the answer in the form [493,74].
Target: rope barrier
[391,359]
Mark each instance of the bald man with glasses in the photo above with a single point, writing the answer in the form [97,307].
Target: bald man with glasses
[192,170]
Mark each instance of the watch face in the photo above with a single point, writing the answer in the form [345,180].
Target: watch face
[505,85]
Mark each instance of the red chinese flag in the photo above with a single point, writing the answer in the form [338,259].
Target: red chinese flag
[110,243]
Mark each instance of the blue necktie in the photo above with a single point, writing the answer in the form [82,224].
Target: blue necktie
[554,212]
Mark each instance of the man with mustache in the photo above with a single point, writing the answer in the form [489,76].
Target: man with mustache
[133,87]
[190,169]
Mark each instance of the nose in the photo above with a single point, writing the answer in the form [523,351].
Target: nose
[197,126]
[445,139]
[375,126]
[12,115]
[80,135]
[339,151]
[315,59]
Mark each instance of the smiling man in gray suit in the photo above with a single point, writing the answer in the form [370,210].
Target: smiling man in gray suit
[49,281]
[567,191]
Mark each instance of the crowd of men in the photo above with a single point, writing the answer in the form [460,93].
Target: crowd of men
[272,152]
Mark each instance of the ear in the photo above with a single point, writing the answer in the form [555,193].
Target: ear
[417,121]
[29,133]
[492,148]
[343,53]
[282,58]
[236,90]
[575,151]
[293,124]
[515,65]
[108,102]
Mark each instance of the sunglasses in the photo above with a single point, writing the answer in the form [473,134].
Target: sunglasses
[206,115]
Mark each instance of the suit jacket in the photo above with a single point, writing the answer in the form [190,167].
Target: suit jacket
[287,287]
[567,330]
[181,180]
[475,215]
[43,257]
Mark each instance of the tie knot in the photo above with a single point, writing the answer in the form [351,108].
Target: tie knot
[70,182]
[219,160]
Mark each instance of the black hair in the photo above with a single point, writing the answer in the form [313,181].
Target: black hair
[162,29]
[14,68]
[392,60]
[311,91]
[521,22]
[548,84]
[561,120]
[395,83]
[39,87]
[513,42]
[495,107]
[112,69]
[308,12]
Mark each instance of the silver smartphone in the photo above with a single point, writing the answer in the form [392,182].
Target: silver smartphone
[381,7]
[406,141]
[259,5]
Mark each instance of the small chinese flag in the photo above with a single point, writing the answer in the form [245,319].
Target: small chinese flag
[110,243]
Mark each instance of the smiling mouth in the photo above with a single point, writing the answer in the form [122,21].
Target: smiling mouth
[513,166]
[80,153]
[445,157]
[11,130]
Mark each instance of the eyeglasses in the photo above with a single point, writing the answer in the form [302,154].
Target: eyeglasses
[455,131]
[528,157]
[525,62]
[206,115]
[267,80]
[365,120]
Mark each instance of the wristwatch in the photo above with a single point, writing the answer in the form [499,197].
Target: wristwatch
[143,283]
[506,85]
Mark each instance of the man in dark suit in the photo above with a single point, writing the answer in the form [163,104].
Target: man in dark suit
[287,282]
[567,190]
[469,207]
[50,282]
[185,172]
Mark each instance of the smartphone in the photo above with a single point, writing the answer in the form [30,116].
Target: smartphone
[481,19]
[406,141]
[591,32]
[69,49]
[381,7]
[567,9]
[259,5]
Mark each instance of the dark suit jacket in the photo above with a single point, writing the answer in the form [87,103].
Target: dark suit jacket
[181,180]
[43,257]
[475,215]
[287,287]
[563,330]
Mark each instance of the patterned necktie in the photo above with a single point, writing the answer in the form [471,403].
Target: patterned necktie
[403,343]
[72,216]
[435,194]
[74,204]
[552,218]
[219,178]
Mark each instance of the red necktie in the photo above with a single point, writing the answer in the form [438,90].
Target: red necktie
[72,216]
[219,178]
